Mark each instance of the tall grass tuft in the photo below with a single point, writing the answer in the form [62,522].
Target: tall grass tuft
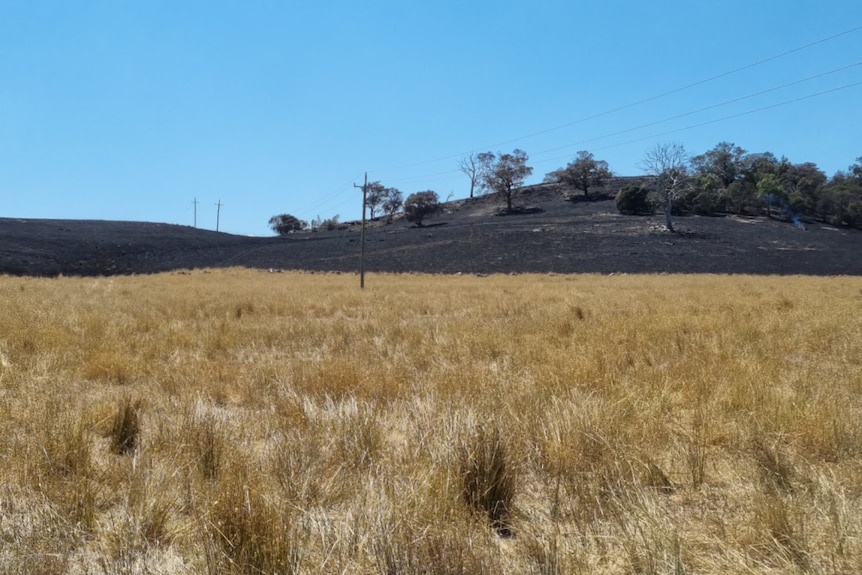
[781,529]
[205,442]
[126,428]
[247,529]
[488,477]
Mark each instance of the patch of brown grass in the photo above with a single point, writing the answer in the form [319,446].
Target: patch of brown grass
[236,421]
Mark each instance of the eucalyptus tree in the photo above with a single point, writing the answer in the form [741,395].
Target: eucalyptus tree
[583,173]
[506,174]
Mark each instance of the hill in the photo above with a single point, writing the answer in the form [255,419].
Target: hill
[549,234]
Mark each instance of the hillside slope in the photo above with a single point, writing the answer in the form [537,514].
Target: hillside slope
[550,235]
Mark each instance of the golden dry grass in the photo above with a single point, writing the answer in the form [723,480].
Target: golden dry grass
[238,421]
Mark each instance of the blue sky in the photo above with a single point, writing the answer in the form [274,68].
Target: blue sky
[131,109]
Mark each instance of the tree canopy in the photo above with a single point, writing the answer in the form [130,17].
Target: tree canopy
[506,174]
[727,179]
[420,205]
[379,197]
[583,173]
[284,224]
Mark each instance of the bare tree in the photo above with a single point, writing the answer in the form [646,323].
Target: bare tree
[668,162]
[474,167]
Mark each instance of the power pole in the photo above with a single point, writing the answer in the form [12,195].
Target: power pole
[364,187]
[218,212]
[195,202]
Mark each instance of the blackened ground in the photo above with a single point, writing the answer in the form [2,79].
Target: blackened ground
[550,234]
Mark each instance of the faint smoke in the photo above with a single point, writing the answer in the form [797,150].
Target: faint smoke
[781,203]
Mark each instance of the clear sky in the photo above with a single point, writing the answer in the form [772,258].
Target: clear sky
[131,109]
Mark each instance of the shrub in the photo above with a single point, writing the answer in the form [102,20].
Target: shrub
[634,200]
[705,203]
[328,224]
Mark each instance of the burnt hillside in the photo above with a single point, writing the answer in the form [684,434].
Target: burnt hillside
[549,234]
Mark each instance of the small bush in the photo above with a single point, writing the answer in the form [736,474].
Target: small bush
[328,224]
[706,204]
[634,200]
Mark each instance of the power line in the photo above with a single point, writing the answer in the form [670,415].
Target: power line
[730,117]
[692,85]
[340,191]
[703,109]
[323,200]
[643,100]
[692,126]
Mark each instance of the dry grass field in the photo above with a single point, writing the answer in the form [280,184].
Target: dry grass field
[237,421]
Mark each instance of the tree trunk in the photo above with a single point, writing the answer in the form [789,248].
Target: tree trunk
[668,209]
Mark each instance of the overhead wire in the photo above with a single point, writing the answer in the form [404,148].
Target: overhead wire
[704,109]
[643,100]
[739,115]
[325,199]
[450,173]
[692,85]
[697,125]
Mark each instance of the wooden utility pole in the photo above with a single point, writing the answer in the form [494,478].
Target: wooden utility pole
[195,202]
[364,187]
[218,213]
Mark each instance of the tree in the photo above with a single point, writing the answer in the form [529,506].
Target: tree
[583,173]
[856,169]
[475,166]
[840,200]
[420,205]
[506,174]
[379,197]
[725,163]
[284,224]
[668,163]
[770,190]
[719,181]
[393,200]
[375,195]
[803,183]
